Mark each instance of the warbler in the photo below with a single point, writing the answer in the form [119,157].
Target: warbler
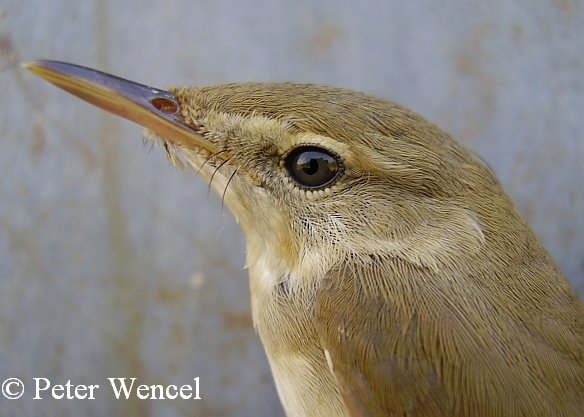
[390,274]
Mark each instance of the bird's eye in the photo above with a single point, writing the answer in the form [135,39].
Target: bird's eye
[312,167]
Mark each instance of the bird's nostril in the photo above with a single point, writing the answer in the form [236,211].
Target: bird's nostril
[165,105]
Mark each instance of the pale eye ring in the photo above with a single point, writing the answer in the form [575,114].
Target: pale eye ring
[312,167]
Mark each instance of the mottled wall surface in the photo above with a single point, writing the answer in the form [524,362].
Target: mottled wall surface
[113,264]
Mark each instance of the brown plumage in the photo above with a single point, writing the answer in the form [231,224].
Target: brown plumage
[405,283]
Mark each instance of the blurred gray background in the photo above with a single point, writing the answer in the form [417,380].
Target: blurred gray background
[114,264]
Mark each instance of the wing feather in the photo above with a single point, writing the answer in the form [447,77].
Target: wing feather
[402,341]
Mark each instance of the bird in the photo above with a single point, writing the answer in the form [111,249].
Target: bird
[390,273]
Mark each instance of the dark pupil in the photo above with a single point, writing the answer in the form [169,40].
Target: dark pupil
[312,167]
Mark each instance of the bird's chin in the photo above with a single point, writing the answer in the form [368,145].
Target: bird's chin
[179,156]
[215,171]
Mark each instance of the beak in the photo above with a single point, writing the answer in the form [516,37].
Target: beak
[155,109]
